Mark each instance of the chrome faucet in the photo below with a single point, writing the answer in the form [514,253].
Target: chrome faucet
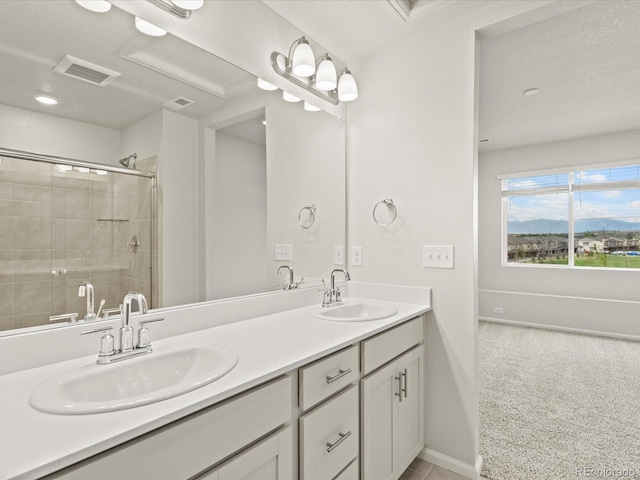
[126,330]
[291,285]
[332,296]
[108,353]
[85,289]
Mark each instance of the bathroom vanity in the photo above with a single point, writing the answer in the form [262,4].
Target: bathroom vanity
[308,399]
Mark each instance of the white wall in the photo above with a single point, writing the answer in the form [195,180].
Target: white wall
[305,166]
[143,137]
[50,135]
[178,225]
[595,300]
[412,137]
[240,216]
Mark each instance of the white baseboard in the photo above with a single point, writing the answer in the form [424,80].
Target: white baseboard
[450,463]
[560,329]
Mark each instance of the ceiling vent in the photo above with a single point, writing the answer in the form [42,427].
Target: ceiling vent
[85,71]
[178,103]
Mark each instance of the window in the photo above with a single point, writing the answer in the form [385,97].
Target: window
[580,218]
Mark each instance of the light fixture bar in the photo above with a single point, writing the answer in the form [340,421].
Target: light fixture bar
[328,96]
[170,7]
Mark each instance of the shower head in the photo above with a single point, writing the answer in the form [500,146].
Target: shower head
[130,161]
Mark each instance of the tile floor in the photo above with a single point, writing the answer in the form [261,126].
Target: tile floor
[421,470]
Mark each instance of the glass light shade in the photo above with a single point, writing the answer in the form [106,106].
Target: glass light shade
[326,76]
[188,4]
[289,98]
[149,28]
[304,63]
[264,85]
[99,6]
[310,108]
[347,88]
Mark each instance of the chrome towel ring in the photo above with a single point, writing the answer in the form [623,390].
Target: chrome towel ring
[392,209]
[311,216]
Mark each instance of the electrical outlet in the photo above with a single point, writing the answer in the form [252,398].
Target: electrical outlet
[356,256]
[283,251]
[338,255]
[437,256]
[498,310]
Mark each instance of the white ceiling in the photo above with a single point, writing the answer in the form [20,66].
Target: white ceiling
[352,29]
[38,34]
[586,64]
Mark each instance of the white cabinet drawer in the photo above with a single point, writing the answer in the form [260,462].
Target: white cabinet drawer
[322,379]
[383,347]
[352,472]
[329,437]
[269,459]
[187,447]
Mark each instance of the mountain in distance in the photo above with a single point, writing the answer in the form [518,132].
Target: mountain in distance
[546,226]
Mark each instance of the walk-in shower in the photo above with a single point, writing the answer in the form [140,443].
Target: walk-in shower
[65,222]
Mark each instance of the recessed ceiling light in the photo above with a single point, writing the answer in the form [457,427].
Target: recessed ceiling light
[63,168]
[83,169]
[530,91]
[46,100]
[149,28]
[101,172]
[99,6]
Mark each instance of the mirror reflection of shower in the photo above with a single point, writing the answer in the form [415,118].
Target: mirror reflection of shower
[130,161]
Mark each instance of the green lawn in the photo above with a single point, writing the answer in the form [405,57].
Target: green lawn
[608,261]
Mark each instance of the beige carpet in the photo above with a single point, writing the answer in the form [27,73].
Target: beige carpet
[558,405]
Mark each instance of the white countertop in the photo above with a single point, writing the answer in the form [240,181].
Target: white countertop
[34,443]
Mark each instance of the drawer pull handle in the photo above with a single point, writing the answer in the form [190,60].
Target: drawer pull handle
[341,373]
[400,390]
[343,437]
[404,375]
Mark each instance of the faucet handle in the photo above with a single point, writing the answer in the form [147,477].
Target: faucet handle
[106,342]
[71,316]
[143,333]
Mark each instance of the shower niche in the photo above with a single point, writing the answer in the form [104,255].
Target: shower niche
[62,224]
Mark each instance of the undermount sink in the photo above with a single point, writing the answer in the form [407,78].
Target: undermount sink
[133,382]
[355,312]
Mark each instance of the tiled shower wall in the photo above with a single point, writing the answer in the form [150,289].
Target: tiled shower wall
[58,229]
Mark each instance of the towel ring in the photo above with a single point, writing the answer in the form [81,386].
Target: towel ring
[312,216]
[391,206]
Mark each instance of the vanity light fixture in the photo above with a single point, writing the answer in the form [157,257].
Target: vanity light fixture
[98,6]
[149,28]
[178,8]
[287,97]
[46,100]
[311,108]
[316,76]
[264,85]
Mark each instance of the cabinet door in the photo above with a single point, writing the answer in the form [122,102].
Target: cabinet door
[410,410]
[379,424]
[268,460]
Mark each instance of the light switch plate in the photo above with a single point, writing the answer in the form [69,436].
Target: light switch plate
[437,256]
[283,251]
[338,255]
